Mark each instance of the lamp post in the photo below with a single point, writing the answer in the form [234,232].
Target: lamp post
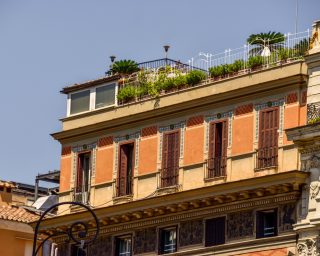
[81,234]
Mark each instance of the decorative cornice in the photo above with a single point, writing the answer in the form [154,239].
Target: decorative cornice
[196,213]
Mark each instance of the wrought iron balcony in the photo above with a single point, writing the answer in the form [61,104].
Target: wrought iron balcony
[313,113]
[216,167]
[267,157]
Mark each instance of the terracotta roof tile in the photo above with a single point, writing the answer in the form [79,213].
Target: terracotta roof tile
[16,213]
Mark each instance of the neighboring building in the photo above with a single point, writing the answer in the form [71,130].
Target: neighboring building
[204,170]
[16,235]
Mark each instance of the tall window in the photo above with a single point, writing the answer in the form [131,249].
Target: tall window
[105,96]
[215,231]
[170,159]
[168,240]
[217,159]
[83,178]
[124,246]
[268,138]
[126,166]
[266,223]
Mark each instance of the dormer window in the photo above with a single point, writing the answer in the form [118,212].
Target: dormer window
[94,98]
[80,102]
[105,95]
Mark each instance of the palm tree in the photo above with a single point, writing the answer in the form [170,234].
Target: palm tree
[263,41]
[124,67]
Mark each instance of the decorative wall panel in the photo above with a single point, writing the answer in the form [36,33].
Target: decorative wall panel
[145,240]
[191,232]
[240,225]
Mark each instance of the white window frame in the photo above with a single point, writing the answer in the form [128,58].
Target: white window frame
[92,101]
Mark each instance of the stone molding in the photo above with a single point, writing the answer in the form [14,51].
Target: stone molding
[215,211]
[312,162]
[307,248]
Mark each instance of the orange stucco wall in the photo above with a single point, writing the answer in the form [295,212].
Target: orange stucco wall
[275,252]
[193,145]
[15,243]
[65,173]
[148,155]
[104,164]
[291,119]
[242,134]
[303,115]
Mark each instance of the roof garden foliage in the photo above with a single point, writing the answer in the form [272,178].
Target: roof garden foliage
[152,83]
[153,78]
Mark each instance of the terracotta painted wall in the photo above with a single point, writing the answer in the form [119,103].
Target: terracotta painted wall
[242,134]
[65,173]
[104,164]
[303,115]
[193,145]
[291,119]
[148,150]
[275,252]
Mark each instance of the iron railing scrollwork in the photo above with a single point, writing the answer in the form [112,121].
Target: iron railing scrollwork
[216,167]
[267,157]
[169,176]
[313,113]
[78,232]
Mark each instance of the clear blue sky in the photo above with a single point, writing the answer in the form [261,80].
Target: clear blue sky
[46,45]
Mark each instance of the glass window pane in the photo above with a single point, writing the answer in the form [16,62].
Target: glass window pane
[80,102]
[105,95]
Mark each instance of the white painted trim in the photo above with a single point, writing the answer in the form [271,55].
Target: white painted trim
[92,100]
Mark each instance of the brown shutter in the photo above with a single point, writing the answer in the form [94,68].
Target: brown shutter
[170,159]
[268,138]
[218,144]
[122,175]
[79,175]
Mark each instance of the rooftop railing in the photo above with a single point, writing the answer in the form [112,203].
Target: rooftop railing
[272,52]
[166,75]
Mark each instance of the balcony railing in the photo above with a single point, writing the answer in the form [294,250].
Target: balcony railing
[162,63]
[216,167]
[81,197]
[313,113]
[267,157]
[123,186]
[169,177]
[293,47]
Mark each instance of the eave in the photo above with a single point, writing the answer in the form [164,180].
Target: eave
[231,193]
[184,102]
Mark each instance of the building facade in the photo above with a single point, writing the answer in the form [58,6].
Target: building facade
[204,170]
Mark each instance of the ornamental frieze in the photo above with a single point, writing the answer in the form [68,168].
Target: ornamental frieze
[191,232]
[307,248]
[312,162]
[240,225]
[145,240]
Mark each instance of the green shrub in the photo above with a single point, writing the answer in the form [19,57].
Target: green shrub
[217,71]
[127,93]
[124,67]
[195,76]
[236,66]
[255,61]
[180,81]
[314,120]
[168,84]
[283,54]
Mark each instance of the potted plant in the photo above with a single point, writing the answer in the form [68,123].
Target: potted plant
[124,67]
[195,76]
[127,94]
[255,62]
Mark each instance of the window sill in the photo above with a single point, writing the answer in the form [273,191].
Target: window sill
[273,167]
[220,178]
[169,190]
[122,199]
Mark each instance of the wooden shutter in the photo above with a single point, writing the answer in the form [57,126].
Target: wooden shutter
[268,138]
[218,144]
[215,231]
[170,159]
[123,167]
[79,174]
